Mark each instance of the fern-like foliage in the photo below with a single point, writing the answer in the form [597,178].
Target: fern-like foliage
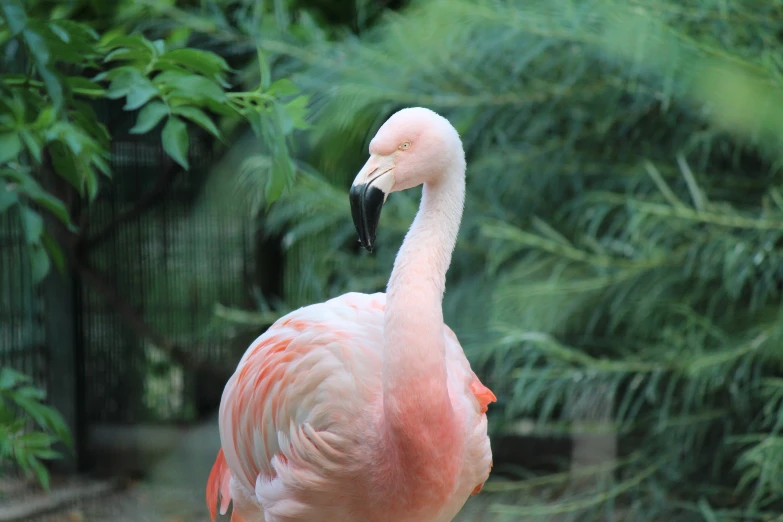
[622,231]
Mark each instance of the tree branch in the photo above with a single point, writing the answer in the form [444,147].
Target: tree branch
[134,320]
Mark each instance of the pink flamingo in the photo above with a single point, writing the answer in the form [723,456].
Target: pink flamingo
[364,408]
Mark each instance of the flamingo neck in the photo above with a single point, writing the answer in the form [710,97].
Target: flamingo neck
[416,400]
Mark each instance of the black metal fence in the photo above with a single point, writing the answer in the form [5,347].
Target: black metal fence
[172,262]
[23,343]
[169,259]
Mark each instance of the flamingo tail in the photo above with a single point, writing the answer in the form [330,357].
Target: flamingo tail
[218,492]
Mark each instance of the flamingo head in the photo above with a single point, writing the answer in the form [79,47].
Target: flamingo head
[414,146]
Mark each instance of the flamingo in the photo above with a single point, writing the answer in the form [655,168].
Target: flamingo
[364,408]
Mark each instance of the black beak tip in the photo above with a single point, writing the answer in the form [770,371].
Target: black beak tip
[366,205]
[365,246]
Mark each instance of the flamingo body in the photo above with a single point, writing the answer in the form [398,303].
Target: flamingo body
[364,408]
[313,383]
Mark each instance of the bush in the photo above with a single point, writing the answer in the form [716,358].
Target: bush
[22,444]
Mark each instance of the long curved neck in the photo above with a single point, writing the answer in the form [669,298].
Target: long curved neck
[415,394]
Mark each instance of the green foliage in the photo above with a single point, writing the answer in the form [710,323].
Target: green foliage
[20,443]
[48,125]
[58,72]
[622,232]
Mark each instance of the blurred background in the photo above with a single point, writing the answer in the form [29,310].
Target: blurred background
[174,177]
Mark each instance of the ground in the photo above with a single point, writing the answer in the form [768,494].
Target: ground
[174,490]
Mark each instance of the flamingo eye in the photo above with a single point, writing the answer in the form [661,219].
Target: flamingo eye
[406,145]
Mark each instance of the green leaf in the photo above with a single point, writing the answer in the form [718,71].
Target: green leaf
[139,94]
[73,137]
[54,251]
[37,440]
[80,37]
[141,55]
[10,146]
[706,510]
[176,141]
[274,186]
[178,37]
[53,205]
[204,62]
[84,115]
[33,144]
[102,164]
[284,119]
[28,186]
[78,50]
[39,412]
[91,180]
[39,263]
[297,109]
[30,392]
[198,117]
[10,378]
[32,224]
[37,46]
[8,197]
[45,118]
[283,87]
[79,31]
[14,15]
[224,109]
[61,33]
[190,88]
[65,165]
[160,46]
[48,454]
[84,86]
[149,117]
[257,123]
[41,473]
[263,65]
[60,428]
[135,42]
[53,87]
[171,67]
[13,79]
[52,420]
[40,440]
[282,169]
[122,80]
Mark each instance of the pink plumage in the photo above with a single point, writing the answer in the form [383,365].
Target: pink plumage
[364,408]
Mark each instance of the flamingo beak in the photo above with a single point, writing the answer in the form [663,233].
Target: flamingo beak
[368,194]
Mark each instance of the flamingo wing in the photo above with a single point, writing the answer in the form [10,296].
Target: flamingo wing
[288,416]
